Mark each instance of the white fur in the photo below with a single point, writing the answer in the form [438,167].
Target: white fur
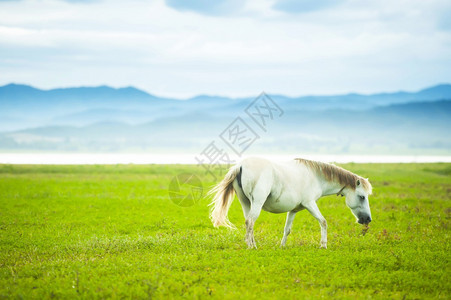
[278,188]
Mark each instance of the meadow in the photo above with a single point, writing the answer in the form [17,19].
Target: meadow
[112,231]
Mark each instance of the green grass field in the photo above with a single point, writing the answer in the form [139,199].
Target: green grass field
[112,231]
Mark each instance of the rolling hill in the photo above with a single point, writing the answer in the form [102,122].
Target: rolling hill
[128,119]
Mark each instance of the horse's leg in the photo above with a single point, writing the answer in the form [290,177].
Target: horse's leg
[246,206]
[252,216]
[287,229]
[257,196]
[314,210]
[245,203]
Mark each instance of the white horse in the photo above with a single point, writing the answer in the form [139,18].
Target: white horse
[287,187]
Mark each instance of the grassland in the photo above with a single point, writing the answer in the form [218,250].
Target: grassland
[112,231]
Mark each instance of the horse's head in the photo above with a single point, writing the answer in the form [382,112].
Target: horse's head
[357,201]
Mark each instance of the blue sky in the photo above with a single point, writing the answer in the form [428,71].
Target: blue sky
[227,47]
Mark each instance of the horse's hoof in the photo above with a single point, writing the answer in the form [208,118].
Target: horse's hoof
[252,246]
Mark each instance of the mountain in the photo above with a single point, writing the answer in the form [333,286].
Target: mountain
[23,106]
[128,119]
[363,102]
[24,92]
[399,128]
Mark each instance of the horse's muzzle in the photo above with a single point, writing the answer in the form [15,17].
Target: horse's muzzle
[364,219]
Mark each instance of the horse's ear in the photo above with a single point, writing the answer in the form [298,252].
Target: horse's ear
[358,182]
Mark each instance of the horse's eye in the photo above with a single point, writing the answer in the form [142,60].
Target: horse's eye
[362,198]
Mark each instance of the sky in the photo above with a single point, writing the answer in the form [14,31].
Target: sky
[179,48]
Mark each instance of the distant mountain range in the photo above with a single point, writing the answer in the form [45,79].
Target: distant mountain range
[128,119]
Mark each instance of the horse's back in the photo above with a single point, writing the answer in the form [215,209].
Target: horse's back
[256,164]
[288,171]
[284,182]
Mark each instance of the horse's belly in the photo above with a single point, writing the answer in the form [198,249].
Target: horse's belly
[280,204]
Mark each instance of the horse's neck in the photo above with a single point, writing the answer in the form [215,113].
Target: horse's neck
[330,187]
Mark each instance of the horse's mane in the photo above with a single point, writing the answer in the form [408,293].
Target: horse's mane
[334,173]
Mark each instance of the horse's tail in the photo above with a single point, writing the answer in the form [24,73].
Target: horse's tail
[223,198]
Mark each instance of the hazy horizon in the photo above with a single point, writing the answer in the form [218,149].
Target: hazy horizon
[228,96]
[126,120]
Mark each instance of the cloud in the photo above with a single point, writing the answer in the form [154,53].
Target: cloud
[207,7]
[444,18]
[302,6]
[354,46]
